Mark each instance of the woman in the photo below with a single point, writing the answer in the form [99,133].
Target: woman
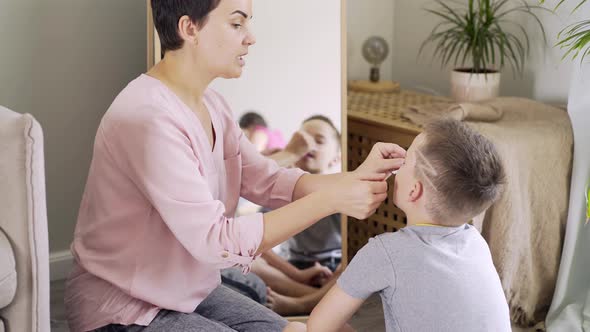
[169,164]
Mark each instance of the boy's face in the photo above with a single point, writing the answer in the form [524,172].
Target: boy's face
[406,184]
[327,152]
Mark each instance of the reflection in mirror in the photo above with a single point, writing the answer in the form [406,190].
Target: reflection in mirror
[294,69]
[289,104]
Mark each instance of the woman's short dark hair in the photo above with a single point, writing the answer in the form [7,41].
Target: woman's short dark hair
[167,13]
[252,119]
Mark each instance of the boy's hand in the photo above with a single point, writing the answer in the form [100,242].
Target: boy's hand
[383,159]
[300,144]
[306,276]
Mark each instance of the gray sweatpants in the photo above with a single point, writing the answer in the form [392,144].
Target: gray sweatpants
[224,310]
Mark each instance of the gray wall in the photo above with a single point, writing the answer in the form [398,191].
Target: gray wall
[366,18]
[405,24]
[64,61]
[545,77]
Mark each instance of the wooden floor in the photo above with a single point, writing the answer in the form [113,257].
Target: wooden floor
[57,310]
[368,319]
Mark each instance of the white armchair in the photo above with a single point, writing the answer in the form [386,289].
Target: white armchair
[24,252]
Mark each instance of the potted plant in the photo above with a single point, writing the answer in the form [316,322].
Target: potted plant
[475,37]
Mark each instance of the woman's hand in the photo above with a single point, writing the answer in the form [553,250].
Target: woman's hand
[357,194]
[383,159]
[307,276]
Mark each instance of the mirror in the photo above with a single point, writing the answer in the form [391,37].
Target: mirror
[295,70]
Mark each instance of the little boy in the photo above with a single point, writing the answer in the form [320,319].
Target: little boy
[437,273]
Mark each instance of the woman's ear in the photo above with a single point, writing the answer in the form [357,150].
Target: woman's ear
[188,30]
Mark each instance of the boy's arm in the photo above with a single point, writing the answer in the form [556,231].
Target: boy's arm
[369,272]
[333,311]
[280,264]
[303,276]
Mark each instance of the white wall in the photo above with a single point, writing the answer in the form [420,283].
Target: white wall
[546,77]
[64,61]
[405,24]
[293,71]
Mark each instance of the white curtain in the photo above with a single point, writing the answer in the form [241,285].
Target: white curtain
[570,309]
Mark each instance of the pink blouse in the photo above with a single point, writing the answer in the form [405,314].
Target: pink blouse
[156,223]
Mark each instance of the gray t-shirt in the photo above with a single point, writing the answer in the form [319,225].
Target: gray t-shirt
[430,279]
[320,241]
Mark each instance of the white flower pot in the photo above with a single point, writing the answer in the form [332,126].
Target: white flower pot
[466,86]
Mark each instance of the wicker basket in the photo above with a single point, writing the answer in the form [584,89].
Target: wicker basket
[372,118]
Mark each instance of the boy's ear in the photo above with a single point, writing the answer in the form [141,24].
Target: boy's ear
[336,161]
[417,191]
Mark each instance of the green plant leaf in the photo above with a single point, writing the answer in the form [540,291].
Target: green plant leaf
[498,5]
[443,15]
[451,51]
[559,4]
[492,50]
[510,54]
[575,38]
[449,10]
[578,6]
[585,54]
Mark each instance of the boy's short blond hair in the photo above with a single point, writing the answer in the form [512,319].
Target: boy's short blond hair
[460,169]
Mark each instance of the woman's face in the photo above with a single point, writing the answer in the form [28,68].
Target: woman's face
[224,39]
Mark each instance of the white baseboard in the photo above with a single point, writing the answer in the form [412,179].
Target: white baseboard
[60,264]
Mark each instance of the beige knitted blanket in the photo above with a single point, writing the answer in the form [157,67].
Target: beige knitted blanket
[525,227]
